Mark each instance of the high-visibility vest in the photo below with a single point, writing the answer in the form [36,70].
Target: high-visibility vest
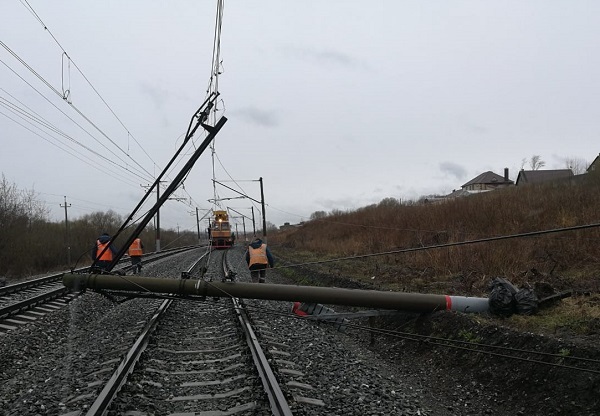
[107,255]
[258,255]
[135,249]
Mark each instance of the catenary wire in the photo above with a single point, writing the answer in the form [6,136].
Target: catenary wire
[32,118]
[460,243]
[455,344]
[71,119]
[75,108]
[113,175]
[37,17]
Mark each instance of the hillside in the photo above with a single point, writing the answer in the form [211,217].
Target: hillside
[458,246]
[546,363]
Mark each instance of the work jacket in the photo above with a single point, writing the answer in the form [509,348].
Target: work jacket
[135,249]
[258,255]
[107,255]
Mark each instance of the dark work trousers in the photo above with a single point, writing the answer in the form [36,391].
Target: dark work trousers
[136,263]
[258,273]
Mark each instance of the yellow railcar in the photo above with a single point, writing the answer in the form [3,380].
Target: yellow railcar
[220,230]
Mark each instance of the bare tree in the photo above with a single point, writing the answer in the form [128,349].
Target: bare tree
[577,165]
[536,162]
[317,215]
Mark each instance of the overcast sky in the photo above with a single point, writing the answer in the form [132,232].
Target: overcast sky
[335,104]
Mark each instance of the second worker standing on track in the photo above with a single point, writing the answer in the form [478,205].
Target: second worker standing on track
[259,258]
[102,256]
[136,249]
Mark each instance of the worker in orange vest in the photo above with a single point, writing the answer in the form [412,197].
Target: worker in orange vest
[136,249]
[102,256]
[259,258]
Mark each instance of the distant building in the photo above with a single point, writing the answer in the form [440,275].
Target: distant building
[595,165]
[487,181]
[527,177]
[288,226]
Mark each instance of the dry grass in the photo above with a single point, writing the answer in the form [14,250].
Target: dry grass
[566,260]
[578,315]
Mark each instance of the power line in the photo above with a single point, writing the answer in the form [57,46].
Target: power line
[33,12]
[86,118]
[30,119]
[68,117]
[119,178]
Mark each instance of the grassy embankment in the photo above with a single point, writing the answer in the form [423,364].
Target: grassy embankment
[567,260]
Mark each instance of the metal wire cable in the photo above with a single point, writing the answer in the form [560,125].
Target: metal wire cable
[140,174]
[450,343]
[460,243]
[38,18]
[34,118]
[104,170]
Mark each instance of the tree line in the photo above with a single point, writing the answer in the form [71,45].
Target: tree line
[31,243]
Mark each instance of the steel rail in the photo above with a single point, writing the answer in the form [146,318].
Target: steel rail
[277,400]
[17,287]
[48,290]
[15,308]
[111,389]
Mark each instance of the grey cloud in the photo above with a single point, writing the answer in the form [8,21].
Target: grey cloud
[451,168]
[159,95]
[256,116]
[324,57]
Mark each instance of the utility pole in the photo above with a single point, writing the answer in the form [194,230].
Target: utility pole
[262,202]
[157,248]
[68,245]
[253,224]
[243,223]
[158,217]
[198,224]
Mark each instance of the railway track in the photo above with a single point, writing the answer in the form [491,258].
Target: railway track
[200,358]
[27,301]
[196,360]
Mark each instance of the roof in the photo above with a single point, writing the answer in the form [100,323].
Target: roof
[488,177]
[539,176]
[595,164]
[463,192]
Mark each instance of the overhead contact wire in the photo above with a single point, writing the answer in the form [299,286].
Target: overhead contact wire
[33,12]
[70,118]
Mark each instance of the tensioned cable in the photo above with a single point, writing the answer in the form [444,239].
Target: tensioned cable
[234,181]
[114,175]
[18,58]
[33,12]
[213,85]
[456,344]
[75,122]
[450,343]
[460,243]
[31,118]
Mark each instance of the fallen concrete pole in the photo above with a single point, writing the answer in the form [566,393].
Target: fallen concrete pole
[409,302]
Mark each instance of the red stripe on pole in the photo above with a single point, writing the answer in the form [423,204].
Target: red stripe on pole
[296,309]
[448,303]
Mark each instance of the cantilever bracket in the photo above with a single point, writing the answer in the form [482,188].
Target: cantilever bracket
[208,127]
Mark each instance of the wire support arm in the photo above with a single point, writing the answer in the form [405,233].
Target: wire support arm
[170,189]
